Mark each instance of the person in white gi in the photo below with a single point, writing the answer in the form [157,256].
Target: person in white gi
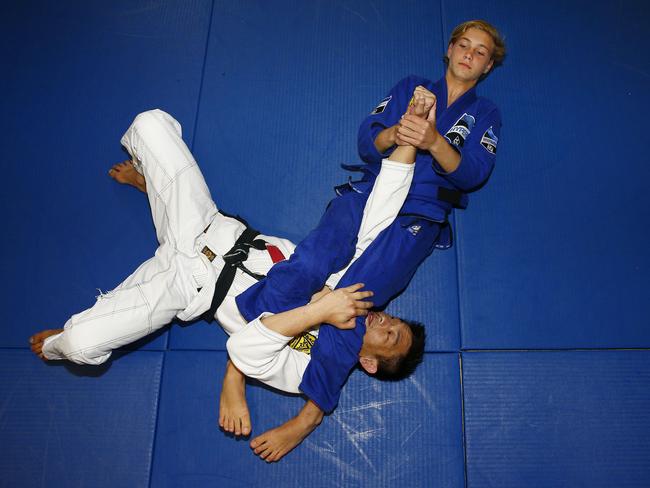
[179,280]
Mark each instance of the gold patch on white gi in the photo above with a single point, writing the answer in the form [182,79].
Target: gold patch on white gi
[303,342]
[209,253]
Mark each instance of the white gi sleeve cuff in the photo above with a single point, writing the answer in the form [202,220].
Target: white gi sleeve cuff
[263,354]
[266,332]
[397,166]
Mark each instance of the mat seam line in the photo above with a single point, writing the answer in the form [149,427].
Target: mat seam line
[462,416]
[157,420]
[456,249]
[205,62]
[458,295]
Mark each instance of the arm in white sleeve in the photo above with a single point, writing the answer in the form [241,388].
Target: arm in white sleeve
[263,354]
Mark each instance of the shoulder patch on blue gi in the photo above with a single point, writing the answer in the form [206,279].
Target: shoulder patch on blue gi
[489,141]
[382,106]
[460,130]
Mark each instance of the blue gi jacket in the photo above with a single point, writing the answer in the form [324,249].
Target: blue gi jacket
[471,125]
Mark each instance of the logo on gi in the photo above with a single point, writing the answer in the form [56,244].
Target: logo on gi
[461,129]
[382,106]
[414,229]
[489,141]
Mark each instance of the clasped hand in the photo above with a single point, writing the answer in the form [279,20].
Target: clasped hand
[417,126]
[342,306]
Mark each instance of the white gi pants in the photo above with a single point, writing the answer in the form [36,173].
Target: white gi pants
[165,286]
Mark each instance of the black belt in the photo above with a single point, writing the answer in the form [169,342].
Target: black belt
[233,259]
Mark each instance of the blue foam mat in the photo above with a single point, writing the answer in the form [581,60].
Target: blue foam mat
[79,73]
[553,252]
[557,419]
[68,426]
[417,421]
[285,87]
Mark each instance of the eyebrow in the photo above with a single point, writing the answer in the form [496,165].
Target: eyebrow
[397,338]
[479,44]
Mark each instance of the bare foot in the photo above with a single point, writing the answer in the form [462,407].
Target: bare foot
[233,409]
[36,341]
[126,174]
[273,444]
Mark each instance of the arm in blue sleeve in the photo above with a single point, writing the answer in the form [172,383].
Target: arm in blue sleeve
[477,155]
[386,114]
[333,357]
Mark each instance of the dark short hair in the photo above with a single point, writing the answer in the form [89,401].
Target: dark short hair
[396,369]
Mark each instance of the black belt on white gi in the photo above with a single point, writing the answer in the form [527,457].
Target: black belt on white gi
[233,260]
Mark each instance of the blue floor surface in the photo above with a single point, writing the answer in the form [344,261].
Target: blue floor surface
[537,370]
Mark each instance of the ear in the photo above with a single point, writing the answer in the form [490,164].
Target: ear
[369,364]
[488,67]
[449,50]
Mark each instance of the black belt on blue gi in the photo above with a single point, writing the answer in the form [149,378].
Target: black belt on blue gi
[233,259]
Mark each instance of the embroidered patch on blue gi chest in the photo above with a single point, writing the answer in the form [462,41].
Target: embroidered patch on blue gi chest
[489,141]
[460,130]
[414,229]
[382,106]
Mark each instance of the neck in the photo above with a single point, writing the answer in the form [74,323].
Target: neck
[456,88]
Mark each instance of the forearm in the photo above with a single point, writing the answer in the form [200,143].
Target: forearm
[296,321]
[386,139]
[404,154]
[446,156]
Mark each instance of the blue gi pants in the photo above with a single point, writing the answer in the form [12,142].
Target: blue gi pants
[386,267]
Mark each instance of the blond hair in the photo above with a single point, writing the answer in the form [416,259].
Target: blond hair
[499,52]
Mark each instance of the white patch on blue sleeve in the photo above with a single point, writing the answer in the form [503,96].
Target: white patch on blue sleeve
[489,141]
[382,106]
[460,130]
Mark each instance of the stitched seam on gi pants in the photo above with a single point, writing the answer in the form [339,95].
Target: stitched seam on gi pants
[144,143]
[146,146]
[114,312]
[95,346]
[148,308]
[174,138]
[170,180]
[114,339]
[178,173]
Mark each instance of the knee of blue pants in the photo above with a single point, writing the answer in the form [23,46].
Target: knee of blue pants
[326,249]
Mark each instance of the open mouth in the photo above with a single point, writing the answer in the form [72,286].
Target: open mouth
[370,318]
[373,319]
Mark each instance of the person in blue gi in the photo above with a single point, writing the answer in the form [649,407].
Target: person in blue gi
[456,149]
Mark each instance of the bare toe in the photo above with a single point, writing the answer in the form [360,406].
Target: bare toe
[36,341]
[246,426]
